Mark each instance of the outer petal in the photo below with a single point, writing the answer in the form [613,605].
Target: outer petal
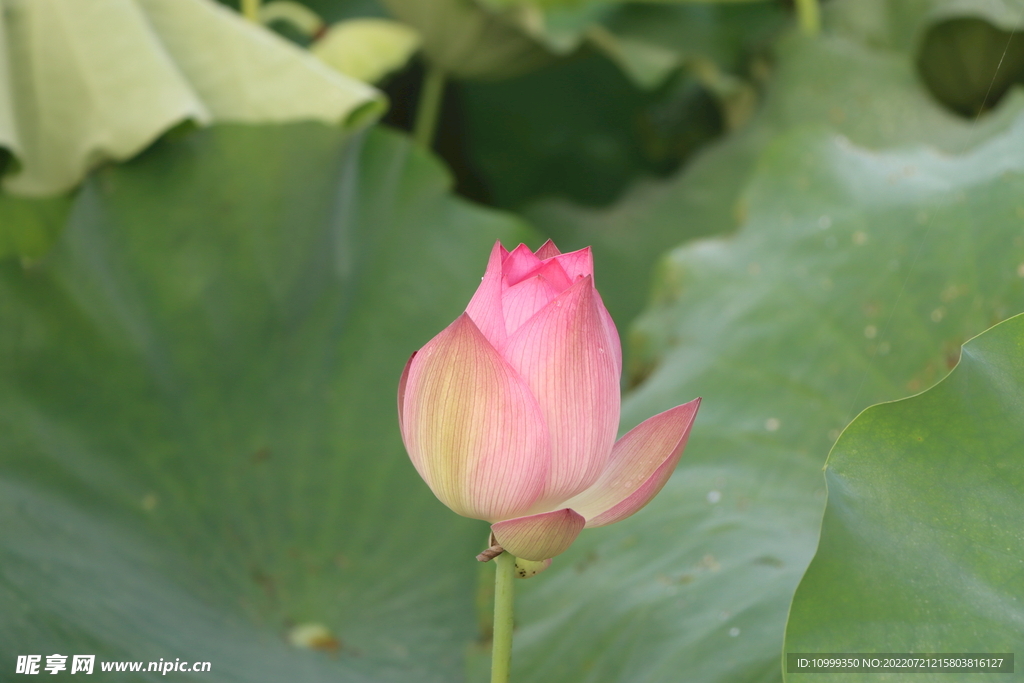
[613,334]
[547,250]
[472,428]
[539,537]
[641,463]
[521,301]
[577,264]
[562,353]
[485,306]
[402,382]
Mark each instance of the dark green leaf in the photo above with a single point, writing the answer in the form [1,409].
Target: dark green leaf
[470,39]
[580,129]
[969,64]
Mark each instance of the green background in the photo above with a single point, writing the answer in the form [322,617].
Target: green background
[200,347]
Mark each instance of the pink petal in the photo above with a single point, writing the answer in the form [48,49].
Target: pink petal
[641,463]
[539,537]
[520,302]
[471,426]
[485,306]
[611,332]
[519,264]
[547,250]
[562,353]
[577,264]
[402,381]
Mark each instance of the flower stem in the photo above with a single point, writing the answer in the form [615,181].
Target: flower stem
[810,16]
[251,10]
[429,106]
[501,653]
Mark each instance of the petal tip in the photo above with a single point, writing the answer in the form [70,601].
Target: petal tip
[642,463]
[547,250]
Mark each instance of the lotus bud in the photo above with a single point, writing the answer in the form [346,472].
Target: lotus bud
[510,413]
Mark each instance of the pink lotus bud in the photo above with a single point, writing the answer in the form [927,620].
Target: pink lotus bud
[510,413]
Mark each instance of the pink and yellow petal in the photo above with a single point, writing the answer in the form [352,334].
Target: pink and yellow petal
[611,332]
[541,536]
[402,382]
[471,426]
[641,463]
[562,353]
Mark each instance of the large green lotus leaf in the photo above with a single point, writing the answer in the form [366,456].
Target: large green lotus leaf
[494,39]
[871,96]
[920,544]
[80,98]
[964,49]
[198,443]
[650,39]
[900,25]
[581,130]
[968,63]
[469,39]
[29,227]
[854,279]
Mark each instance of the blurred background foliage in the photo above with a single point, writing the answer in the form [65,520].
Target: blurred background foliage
[219,243]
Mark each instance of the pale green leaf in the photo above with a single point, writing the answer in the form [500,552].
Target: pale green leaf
[469,39]
[98,81]
[295,14]
[8,129]
[920,546]
[367,49]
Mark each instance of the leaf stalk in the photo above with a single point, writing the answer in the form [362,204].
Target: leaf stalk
[429,106]
[809,14]
[251,10]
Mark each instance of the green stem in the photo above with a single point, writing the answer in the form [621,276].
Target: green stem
[810,16]
[251,10]
[429,106]
[501,653]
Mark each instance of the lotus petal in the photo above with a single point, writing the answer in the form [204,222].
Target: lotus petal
[641,463]
[519,264]
[472,427]
[562,353]
[539,537]
[485,306]
[520,302]
[577,264]
[547,250]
